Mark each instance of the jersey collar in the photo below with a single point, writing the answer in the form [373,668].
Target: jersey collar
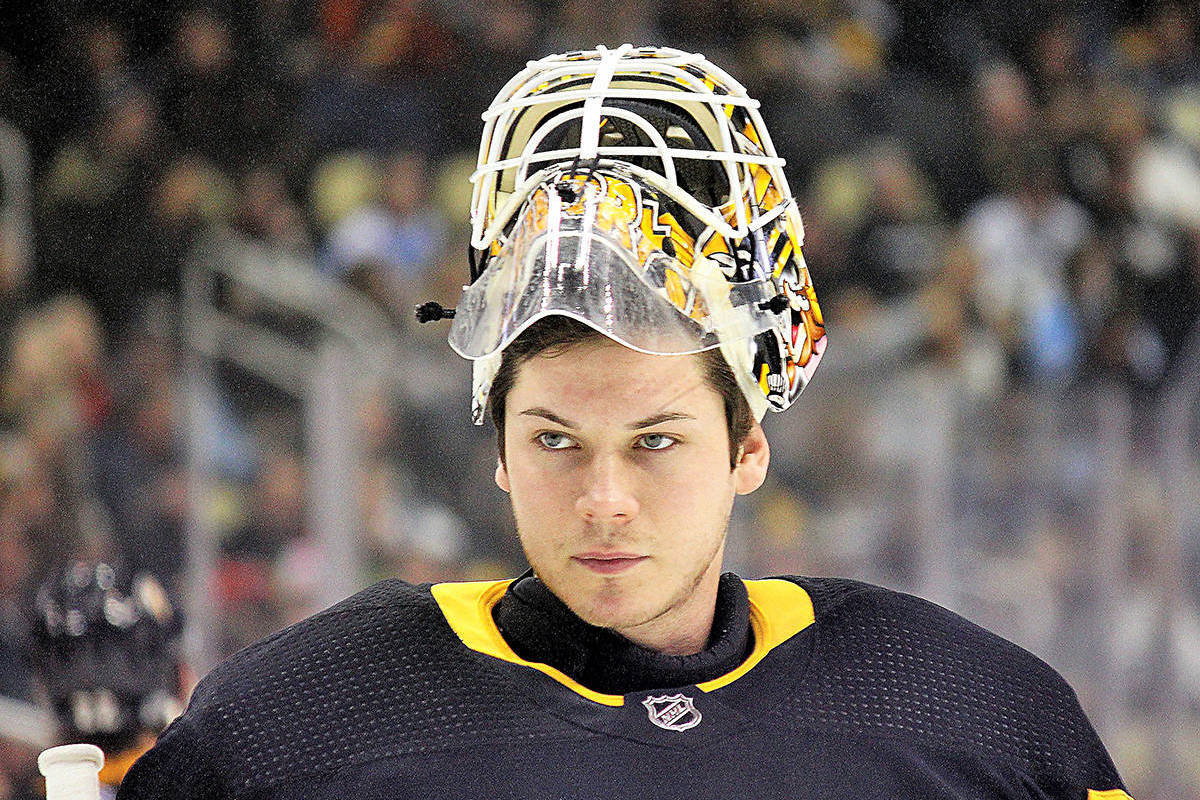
[779,609]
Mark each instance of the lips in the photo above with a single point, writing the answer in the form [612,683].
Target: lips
[609,563]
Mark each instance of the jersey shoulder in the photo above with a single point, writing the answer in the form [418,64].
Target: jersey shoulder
[928,675]
[379,675]
[379,621]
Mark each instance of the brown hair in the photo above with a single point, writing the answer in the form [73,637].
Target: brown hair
[556,334]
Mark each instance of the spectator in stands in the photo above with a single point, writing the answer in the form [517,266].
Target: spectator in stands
[277,511]
[16,220]
[16,556]
[1022,237]
[203,91]
[897,244]
[378,89]
[105,645]
[1006,119]
[108,73]
[140,477]
[385,247]
[97,234]
[1165,54]
[267,212]
[495,39]
[408,535]
[1153,201]
[56,387]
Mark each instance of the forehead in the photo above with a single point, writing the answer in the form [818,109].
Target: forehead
[603,381]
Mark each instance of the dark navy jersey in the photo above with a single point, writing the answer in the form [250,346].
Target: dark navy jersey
[849,691]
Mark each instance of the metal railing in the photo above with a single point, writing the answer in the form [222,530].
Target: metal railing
[353,341]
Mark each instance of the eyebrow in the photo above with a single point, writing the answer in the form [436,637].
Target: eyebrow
[546,413]
[654,419]
[665,416]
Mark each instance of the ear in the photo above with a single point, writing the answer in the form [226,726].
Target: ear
[502,476]
[751,468]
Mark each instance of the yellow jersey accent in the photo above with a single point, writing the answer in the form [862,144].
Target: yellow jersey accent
[1108,794]
[779,610]
[115,766]
[468,608]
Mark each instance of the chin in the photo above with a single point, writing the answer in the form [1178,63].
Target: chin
[613,609]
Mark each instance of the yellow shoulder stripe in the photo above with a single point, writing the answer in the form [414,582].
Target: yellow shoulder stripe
[468,609]
[1108,794]
[778,611]
[115,766]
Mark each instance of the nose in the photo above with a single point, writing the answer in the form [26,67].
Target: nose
[607,493]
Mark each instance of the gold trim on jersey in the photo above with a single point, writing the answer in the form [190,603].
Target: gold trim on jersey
[468,609]
[1108,794]
[115,766]
[779,610]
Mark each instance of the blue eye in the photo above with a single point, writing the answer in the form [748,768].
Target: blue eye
[657,441]
[552,440]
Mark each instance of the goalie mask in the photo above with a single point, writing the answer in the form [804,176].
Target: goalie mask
[637,190]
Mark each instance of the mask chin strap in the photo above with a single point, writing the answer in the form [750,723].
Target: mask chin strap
[483,372]
[735,337]
[739,355]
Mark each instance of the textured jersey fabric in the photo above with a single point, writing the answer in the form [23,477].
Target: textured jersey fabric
[882,695]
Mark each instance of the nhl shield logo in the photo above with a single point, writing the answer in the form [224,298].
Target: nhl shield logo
[674,712]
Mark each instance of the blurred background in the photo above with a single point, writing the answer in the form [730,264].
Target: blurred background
[215,219]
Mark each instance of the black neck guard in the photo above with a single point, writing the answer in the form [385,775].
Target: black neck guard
[539,627]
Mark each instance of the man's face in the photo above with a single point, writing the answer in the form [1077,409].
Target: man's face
[617,463]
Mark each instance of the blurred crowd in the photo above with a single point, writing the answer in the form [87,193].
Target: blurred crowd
[1002,213]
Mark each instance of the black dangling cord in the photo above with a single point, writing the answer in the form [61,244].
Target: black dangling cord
[431,312]
[566,191]
[776,305]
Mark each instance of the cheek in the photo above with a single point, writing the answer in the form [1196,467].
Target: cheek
[703,474]
[540,491]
